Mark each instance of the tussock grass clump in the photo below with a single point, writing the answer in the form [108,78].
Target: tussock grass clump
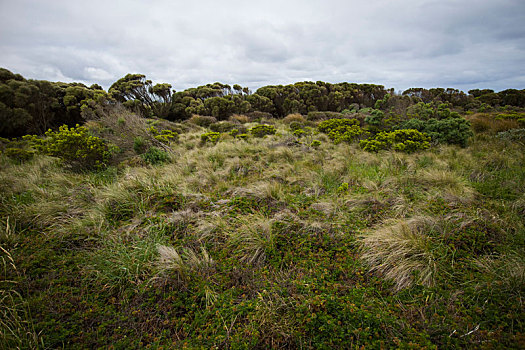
[182,261]
[483,122]
[403,251]
[252,239]
[202,120]
[505,272]
[239,118]
[17,330]
[294,117]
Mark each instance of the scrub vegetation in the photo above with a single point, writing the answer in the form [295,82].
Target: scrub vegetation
[370,220]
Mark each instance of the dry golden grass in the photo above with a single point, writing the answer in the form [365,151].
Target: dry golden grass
[240,118]
[401,251]
[182,261]
[295,117]
[202,120]
[482,122]
[506,272]
[251,238]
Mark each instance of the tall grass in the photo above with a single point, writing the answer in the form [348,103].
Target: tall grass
[403,252]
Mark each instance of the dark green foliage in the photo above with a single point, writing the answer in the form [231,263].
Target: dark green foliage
[202,120]
[155,155]
[451,130]
[74,146]
[262,130]
[34,106]
[137,91]
[405,140]
[140,145]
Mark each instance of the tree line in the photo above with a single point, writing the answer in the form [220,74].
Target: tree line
[33,106]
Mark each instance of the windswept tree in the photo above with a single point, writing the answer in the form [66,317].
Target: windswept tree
[135,91]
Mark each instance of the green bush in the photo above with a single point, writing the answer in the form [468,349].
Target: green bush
[450,130]
[295,125]
[513,135]
[139,145]
[74,146]
[155,156]
[202,120]
[299,133]
[262,130]
[164,136]
[315,144]
[18,154]
[406,140]
[314,116]
[339,130]
[212,137]
[223,126]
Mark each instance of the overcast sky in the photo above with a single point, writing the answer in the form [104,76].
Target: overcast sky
[411,43]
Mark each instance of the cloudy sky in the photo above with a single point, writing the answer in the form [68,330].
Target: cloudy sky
[406,43]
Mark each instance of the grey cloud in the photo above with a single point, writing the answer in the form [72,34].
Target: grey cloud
[398,44]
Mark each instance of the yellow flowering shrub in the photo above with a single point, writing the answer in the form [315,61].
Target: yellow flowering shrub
[74,146]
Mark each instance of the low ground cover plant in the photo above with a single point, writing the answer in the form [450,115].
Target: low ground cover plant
[272,242]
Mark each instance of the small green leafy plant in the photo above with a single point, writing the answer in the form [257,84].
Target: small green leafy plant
[263,130]
[210,137]
[155,156]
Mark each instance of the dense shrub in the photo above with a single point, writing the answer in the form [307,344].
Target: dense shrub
[211,137]
[18,154]
[295,125]
[223,126]
[406,140]
[139,145]
[295,117]
[239,118]
[515,135]
[262,130]
[202,120]
[339,130]
[450,130]
[258,115]
[299,133]
[375,118]
[74,146]
[155,156]
[315,144]
[164,136]
[314,116]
